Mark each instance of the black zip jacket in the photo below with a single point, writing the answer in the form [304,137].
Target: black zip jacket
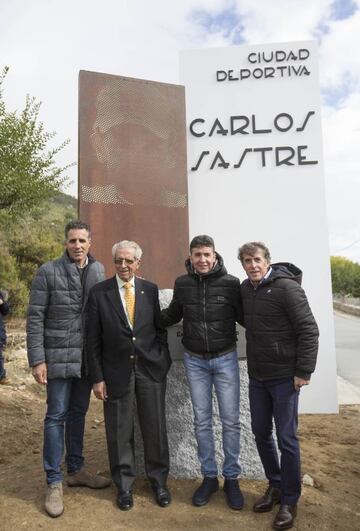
[281,332]
[209,305]
[4,310]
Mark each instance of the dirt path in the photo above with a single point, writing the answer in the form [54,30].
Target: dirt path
[330,454]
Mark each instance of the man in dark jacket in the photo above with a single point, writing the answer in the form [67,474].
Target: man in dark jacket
[55,328]
[129,358]
[208,301]
[282,346]
[4,310]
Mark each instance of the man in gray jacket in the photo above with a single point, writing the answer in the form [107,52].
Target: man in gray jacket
[55,331]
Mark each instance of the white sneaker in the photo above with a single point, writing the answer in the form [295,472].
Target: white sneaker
[54,499]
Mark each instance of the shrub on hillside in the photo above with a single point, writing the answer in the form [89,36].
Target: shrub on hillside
[345,276]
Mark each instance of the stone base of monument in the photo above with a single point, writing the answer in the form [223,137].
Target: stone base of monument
[183,452]
[182,444]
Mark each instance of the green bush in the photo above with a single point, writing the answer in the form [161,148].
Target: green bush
[345,276]
[33,211]
[11,282]
[33,245]
[29,242]
[28,169]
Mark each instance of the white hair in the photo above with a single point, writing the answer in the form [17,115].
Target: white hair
[126,244]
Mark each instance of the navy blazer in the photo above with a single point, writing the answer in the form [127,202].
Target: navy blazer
[112,345]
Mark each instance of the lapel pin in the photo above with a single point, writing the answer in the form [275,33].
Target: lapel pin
[142,293]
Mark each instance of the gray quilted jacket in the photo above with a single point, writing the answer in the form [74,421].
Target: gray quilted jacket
[57,315]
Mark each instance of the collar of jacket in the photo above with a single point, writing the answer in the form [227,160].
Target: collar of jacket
[280,270]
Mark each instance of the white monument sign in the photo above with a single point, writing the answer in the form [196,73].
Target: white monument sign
[255,171]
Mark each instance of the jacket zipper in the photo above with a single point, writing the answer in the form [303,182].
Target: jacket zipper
[204,311]
[252,328]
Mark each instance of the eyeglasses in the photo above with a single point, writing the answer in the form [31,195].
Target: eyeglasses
[128,261]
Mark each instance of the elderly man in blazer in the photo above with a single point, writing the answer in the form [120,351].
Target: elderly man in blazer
[128,357]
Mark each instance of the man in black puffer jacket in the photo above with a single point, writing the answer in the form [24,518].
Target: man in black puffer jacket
[4,310]
[208,301]
[281,348]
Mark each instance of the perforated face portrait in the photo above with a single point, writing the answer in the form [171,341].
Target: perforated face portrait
[133,170]
[134,138]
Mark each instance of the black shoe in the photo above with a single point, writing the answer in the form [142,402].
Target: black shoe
[207,488]
[234,496]
[162,496]
[125,500]
[268,500]
[285,517]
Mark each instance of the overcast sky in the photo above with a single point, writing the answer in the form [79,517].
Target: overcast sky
[46,42]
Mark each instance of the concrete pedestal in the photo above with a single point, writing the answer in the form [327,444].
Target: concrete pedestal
[183,452]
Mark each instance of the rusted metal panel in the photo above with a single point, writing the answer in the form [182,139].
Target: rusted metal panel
[132,170]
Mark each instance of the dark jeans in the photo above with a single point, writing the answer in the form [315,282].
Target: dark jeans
[67,404]
[119,424]
[2,368]
[278,400]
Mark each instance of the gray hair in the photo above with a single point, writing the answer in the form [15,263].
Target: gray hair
[251,248]
[126,244]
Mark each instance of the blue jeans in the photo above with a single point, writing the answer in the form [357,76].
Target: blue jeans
[67,404]
[277,399]
[223,374]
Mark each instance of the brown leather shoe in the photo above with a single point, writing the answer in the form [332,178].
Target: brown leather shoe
[268,500]
[285,517]
[82,478]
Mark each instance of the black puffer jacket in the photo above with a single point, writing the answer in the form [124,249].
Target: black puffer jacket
[209,305]
[4,310]
[281,332]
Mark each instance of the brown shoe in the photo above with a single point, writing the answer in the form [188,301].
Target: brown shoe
[82,478]
[5,381]
[268,500]
[54,499]
[285,517]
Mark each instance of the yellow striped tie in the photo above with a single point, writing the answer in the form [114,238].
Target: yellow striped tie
[130,302]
